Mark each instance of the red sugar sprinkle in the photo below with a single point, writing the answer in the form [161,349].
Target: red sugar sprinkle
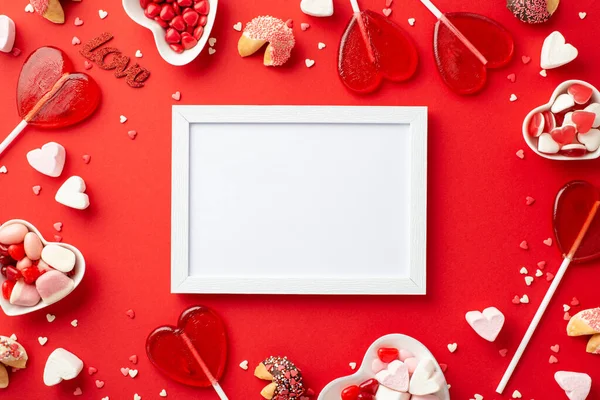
[574,302]
[276,32]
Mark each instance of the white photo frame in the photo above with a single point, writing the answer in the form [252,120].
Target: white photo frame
[299,200]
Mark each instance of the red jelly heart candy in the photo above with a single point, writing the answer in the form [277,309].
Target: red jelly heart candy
[161,22]
[460,69]
[16,251]
[387,354]
[198,31]
[178,23]
[366,396]
[374,48]
[564,135]
[350,393]
[7,288]
[188,41]
[167,13]
[144,3]
[571,209]
[153,10]
[172,36]
[583,120]
[203,20]
[30,274]
[369,386]
[184,3]
[176,47]
[191,17]
[201,7]
[178,351]
[12,274]
[50,95]
[581,93]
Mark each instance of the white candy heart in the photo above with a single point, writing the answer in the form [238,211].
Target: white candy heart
[138,54]
[74,323]
[411,21]
[122,119]
[524,299]
[513,97]
[582,15]
[590,140]
[576,385]
[544,73]
[486,324]
[321,45]
[61,365]
[237,26]
[394,377]
[562,102]
[58,257]
[452,347]
[212,41]
[211,51]
[383,393]
[3,169]
[137,397]
[49,160]
[528,280]
[523,271]
[317,8]
[163,393]
[595,108]
[425,380]
[352,366]
[133,373]
[72,194]
[547,145]
[50,317]
[42,340]
[244,365]
[556,51]
[516,395]
[103,14]
[309,63]
[29,8]
[7,34]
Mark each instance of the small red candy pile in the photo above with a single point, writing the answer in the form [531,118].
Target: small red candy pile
[364,391]
[184,20]
[570,125]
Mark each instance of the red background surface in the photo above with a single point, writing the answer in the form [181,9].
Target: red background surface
[477,214]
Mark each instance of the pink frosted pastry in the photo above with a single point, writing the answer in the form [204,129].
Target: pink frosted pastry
[24,295]
[54,286]
[267,29]
[586,322]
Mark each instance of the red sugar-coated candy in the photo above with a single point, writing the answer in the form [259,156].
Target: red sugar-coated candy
[178,23]
[7,288]
[16,251]
[30,274]
[12,274]
[366,396]
[166,12]
[3,271]
[549,120]
[564,135]
[201,7]
[198,31]
[573,150]
[161,22]
[5,259]
[178,10]
[3,249]
[536,125]
[144,3]
[184,3]
[170,1]
[350,393]
[369,386]
[387,354]
[177,48]
[188,41]
[159,1]
[153,10]
[203,20]
[172,36]
[191,18]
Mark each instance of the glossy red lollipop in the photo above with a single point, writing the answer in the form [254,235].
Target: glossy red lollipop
[194,352]
[50,95]
[372,49]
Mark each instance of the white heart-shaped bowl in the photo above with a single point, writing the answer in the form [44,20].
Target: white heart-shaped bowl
[10,309]
[560,89]
[334,389]
[135,11]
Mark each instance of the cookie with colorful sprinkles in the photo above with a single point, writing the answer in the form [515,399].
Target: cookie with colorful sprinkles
[12,354]
[271,30]
[532,11]
[286,379]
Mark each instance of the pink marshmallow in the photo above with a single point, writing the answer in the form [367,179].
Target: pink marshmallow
[24,263]
[24,295]
[54,286]
[378,365]
[404,354]
[411,364]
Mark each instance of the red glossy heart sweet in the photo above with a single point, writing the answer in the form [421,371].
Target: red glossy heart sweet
[372,49]
[458,66]
[50,95]
[571,209]
[387,354]
[171,349]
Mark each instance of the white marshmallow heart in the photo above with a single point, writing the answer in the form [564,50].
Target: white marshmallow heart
[49,160]
[395,376]
[383,393]
[58,257]
[54,286]
[317,8]
[595,108]
[486,324]
[556,51]
[590,140]
[547,145]
[72,194]
[562,102]
[425,380]
[576,385]
[61,365]
[7,34]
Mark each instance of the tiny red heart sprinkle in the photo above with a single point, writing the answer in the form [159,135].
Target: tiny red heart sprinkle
[567,316]
[86,158]
[548,242]
[529,200]
[99,384]
[125,371]
[387,354]
[524,245]
[503,352]
[549,276]
[521,154]
[37,189]
[132,134]
[541,264]
[575,302]
[512,77]
[133,359]
[57,238]
[87,64]
[553,360]
[130,314]
[516,300]
[92,370]
[555,348]
[443,367]
[525,59]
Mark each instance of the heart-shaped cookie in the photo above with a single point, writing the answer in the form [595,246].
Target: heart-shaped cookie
[545,109]
[333,390]
[173,350]
[372,49]
[13,310]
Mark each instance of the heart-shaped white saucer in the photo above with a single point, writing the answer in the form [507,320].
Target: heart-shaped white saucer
[333,390]
[136,13]
[562,88]
[13,310]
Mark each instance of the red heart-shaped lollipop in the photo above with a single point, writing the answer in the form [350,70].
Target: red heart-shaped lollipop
[50,95]
[459,67]
[179,351]
[571,209]
[374,48]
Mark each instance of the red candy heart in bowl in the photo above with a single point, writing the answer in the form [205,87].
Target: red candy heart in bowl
[537,122]
[571,208]
[175,350]
[13,310]
[50,95]
[333,391]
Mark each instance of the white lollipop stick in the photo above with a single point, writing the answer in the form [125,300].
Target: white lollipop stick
[12,136]
[355,6]
[540,312]
[438,14]
[204,367]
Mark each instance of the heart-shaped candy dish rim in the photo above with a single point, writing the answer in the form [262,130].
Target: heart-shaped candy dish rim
[334,388]
[13,310]
[560,89]
[135,11]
